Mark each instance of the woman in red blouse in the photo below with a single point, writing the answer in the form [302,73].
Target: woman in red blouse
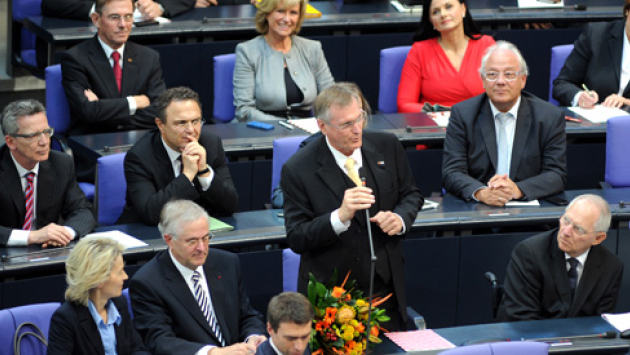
[443,64]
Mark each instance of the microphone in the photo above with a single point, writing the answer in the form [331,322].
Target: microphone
[372,258]
[576,7]
[607,335]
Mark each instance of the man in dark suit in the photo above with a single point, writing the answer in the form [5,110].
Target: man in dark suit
[178,161]
[190,299]
[596,61]
[107,94]
[58,211]
[565,272]
[505,144]
[324,209]
[289,319]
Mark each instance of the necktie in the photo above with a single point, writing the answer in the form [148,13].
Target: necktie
[352,174]
[181,164]
[200,295]
[573,275]
[30,202]
[503,146]
[117,68]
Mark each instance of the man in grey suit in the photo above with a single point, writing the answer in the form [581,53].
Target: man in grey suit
[40,198]
[505,144]
[564,272]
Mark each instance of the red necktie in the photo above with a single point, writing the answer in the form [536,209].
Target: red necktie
[117,69]
[30,201]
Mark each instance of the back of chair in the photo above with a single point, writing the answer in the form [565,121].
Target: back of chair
[283,149]
[290,268]
[6,335]
[392,61]
[22,9]
[501,348]
[559,55]
[617,148]
[38,314]
[111,188]
[223,109]
[57,107]
[125,292]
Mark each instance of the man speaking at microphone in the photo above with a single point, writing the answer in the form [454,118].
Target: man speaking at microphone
[324,201]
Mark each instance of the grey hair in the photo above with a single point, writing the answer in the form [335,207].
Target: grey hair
[508,46]
[176,214]
[17,109]
[603,221]
[340,94]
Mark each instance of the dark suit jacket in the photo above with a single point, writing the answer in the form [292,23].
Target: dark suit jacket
[85,66]
[59,198]
[594,61]
[537,285]
[266,349]
[538,154]
[80,9]
[73,331]
[151,182]
[168,317]
[314,187]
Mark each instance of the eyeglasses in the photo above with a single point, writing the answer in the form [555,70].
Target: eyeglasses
[203,240]
[508,75]
[32,137]
[198,122]
[565,221]
[117,17]
[348,125]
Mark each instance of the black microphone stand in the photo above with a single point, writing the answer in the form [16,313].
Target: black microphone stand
[372,268]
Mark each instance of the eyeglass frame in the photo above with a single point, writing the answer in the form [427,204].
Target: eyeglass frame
[193,123]
[348,125]
[48,132]
[116,17]
[191,243]
[564,221]
[499,73]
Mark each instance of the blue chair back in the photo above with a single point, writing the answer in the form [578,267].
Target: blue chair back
[22,9]
[125,292]
[6,335]
[111,188]
[57,107]
[290,268]
[559,55]
[283,149]
[617,147]
[392,61]
[501,348]
[38,314]
[223,109]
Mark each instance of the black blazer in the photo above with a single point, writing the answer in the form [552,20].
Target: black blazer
[594,61]
[73,331]
[538,155]
[151,182]
[314,187]
[59,198]
[80,9]
[537,285]
[85,66]
[168,317]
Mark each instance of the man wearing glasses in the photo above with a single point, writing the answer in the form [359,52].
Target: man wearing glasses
[325,200]
[565,272]
[39,188]
[177,161]
[110,82]
[190,298]
[505,144]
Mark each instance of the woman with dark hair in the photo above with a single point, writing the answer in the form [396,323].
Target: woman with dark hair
[600,61]
[443,64]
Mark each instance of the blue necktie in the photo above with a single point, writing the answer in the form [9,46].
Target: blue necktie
[503,146]
[202,299]
[573,275]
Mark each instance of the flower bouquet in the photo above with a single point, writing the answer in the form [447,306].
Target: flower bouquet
[341,317]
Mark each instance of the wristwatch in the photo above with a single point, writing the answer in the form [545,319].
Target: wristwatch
[206,170]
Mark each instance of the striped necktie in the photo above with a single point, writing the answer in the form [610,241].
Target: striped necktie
[29,195]
[202,299]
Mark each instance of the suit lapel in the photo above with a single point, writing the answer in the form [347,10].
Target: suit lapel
[45,184]
[88,327]
[217,294]
[488,132]
[559,274]
[129,70]
[329,172]
[376,167]
[587,283]
[162,160]
[10,177]
[521,134]
[102,66]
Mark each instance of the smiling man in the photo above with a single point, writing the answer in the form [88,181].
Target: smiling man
[177,161]
[565,272]
[505,144]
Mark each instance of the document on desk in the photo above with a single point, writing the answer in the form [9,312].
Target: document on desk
[621,321]
[599,113]
[522,203]
[122,238]
[440,118]
[307,124]
[420,341]
[537,4]
[429,205]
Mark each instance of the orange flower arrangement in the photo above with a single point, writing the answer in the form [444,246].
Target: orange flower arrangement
[341,316]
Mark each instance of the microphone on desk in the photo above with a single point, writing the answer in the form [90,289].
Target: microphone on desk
[372,258]
[576,7]
[607,335]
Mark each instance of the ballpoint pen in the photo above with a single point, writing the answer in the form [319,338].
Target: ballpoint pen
[587,90]
[285,125]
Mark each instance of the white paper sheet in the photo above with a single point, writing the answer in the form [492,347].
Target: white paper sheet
[122,238]
[598,114]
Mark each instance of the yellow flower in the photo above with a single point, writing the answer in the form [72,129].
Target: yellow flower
[348,332]
[361,302]
[345,314]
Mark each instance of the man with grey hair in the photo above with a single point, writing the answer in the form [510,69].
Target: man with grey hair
[505,144]
[325,201]
[40,198]
[565,272]
[190,299]
[289,323]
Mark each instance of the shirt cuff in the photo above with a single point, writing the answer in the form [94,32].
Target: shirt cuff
[206,181]
[18,238]
[204,350]
[338,226]
[72,232]
[404,228]
[474,192]
[576,99]
[132,105]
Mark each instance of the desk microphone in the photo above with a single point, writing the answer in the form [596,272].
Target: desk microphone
[608,335]
[576,7]
[372,258]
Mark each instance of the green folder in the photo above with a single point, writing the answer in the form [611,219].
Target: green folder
[219,226]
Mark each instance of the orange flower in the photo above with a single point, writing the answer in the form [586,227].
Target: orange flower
[337,292]
[374,331]
[330,315]
[360,327]
[319,326]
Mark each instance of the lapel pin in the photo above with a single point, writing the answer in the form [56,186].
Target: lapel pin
[129,60]
[380,162]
